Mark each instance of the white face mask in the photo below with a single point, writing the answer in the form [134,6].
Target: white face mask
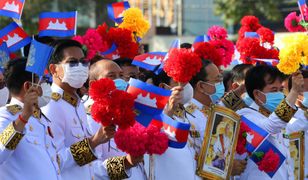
[75,76]
[45,98]
[188,93]
[4,96]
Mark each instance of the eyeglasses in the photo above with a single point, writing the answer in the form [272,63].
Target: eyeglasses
[73,62]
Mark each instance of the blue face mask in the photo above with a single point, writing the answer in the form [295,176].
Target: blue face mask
[220,91]
[273,99]
[120,84]
[305,100]
[247,99]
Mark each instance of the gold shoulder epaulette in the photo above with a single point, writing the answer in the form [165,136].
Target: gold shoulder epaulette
[14,109]
[70,99]
[191,108]
[179,112]
[55,96]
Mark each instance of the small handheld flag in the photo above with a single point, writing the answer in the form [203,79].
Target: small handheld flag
[256,135]
[14,36]
[12,9]
[200,39]
[111,53]
[302,7]
[38,57]
[252,35]
[264,148]
[176,131]
[150,61]
[175,44]
[270,62]
[150,100]
[58,24]
[4,55]
[115,11]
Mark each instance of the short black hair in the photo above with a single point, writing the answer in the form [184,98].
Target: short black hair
[186,45]
[202,74]
[227,77]
[305,75]
[255,78]
[15,75]
[161,78]
[45,39]
[238,72]
[124,62]
[59,47]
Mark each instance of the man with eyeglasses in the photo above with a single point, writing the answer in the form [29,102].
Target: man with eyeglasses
[69,70]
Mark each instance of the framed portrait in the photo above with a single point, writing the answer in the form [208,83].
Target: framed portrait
[297,152]
[219,144]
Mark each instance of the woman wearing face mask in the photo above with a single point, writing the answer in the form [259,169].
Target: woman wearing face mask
[270,111]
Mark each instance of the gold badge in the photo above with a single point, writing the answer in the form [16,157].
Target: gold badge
[14,109]
[55,96]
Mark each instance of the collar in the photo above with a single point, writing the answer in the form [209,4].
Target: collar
[58,92]
[260,109]
[15,101]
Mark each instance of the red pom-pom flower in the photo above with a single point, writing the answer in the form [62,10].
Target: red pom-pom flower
[225,48]
[217,33]
[157,141]
[182,64]
[241,141]
[291,22]
[266,35]
[208,51]
[269,162]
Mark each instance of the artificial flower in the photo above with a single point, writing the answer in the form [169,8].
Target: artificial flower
[217,33]
[292,23]
[241,141]
[226,50]
[157,141]
[209,52]
[270,162]
[266,35]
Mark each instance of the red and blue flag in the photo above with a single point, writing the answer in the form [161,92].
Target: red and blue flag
[58,24]
[255,136]
[111,53]
[150,100]
[176,131]
[4,55]
[200,39]
[251,35]
[150,61]
[176,44]
[269,62]
[39,55]
[11,8]
[115,11]
[14,36]
[302,6]
[265,147]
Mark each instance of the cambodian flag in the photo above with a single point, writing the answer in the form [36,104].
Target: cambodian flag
[176,131]
[11,8]
[39,55]
[302,6]
[115,11]
[58,24]
[14,36]
[175,45]
[150,61]
[269,62]
[252,35]
[265,147]
[111,53]
[4,55]
[150,100]
[256,135]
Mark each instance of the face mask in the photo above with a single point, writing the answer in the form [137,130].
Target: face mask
[75,76]
[305,100]
[220,90]
[45,98]
[273,99]
[248,101]
[4,96]
[120,84]
[187,93]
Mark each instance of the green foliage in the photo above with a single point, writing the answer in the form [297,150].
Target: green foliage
[232,11]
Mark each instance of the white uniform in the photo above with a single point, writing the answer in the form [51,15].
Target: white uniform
[105,152]
[181,164]
[272,124]
[30,154]
[300,123]
[69,125]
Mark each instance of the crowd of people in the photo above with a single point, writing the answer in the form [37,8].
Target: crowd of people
[49,130]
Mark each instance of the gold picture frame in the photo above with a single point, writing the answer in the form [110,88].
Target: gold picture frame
[297,152]
[219,144]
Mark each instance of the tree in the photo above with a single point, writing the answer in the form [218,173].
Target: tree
[232,11]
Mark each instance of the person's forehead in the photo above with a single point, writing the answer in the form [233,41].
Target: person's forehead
[75,52]
[212,71]
[108,66]
[130,68]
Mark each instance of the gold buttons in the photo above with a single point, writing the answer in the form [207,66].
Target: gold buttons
[30,127]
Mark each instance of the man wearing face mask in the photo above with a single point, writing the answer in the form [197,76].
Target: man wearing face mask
[134,168]
[70,70]
[300,120]
[271,111]
[4,92]
[129,70]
